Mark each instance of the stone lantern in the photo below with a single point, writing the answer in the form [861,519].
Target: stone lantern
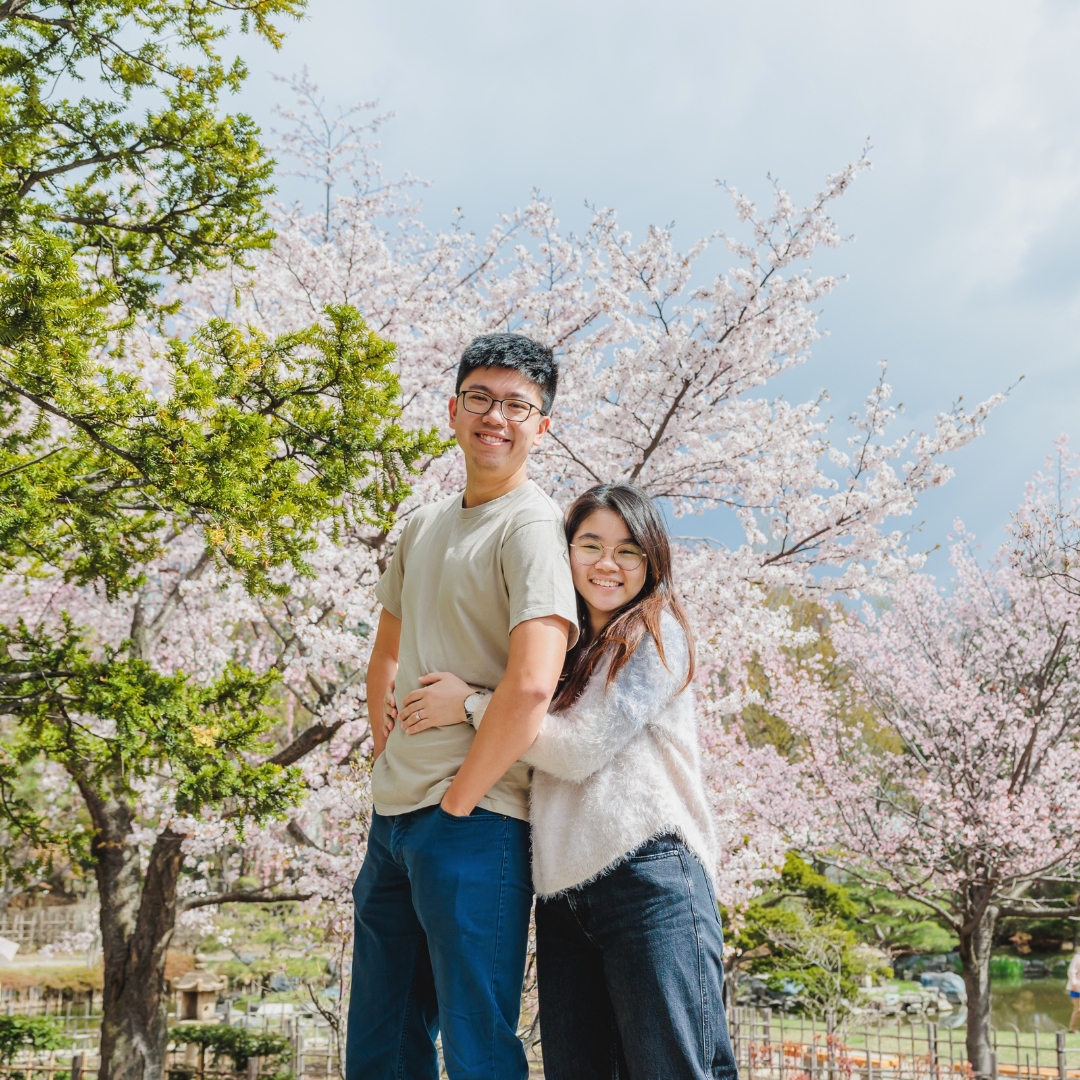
[197,993]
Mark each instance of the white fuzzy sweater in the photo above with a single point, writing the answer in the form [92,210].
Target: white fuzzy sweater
[617,768]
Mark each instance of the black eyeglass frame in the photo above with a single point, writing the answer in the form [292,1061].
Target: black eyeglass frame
[500,402]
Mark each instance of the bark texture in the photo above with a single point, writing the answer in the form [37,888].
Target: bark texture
[138,915]
[976,942]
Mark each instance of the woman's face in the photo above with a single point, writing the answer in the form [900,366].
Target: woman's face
[605,586]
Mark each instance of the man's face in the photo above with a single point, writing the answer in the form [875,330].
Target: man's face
[491,443]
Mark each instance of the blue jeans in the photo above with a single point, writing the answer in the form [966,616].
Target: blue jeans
[442,926]
[630,971]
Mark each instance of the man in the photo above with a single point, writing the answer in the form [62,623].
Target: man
[479,585]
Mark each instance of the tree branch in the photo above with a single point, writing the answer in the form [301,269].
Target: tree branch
[43,403]
[1038,912]
[256,897]
[659,434]
[305,742]
[145,634]
[102,158]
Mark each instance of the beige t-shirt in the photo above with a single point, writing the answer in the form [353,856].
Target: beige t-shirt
[460,581]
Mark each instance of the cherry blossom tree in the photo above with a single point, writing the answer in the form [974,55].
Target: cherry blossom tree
[954,787]
[664,377]
[1045,532]
[666,363]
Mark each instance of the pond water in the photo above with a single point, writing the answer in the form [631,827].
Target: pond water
[1035,1005]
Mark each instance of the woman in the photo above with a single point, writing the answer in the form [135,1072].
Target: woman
[628,940]
[1072,984]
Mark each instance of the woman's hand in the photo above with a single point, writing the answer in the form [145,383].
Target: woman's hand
[439,702]
[389,711]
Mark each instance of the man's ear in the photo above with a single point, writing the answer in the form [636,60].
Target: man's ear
[541,430]
[452,406]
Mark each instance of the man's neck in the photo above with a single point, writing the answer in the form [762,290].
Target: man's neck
[483,489]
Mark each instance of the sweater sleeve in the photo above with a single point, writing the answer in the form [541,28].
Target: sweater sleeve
[575,743]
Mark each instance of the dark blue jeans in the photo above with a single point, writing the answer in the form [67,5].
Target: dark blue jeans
[630,972]
[442,925]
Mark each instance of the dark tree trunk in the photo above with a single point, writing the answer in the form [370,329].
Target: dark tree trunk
[138,915]
[976,941]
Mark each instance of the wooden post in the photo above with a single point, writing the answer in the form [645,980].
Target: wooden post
[931,1048]
[1061,1055]
[253,1068]
[76,1067]
[994,1068]
[830,1042]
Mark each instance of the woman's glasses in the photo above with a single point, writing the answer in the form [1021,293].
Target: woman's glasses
[626,556]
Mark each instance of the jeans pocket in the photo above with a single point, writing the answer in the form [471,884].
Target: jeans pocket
[478,814]
[661,847]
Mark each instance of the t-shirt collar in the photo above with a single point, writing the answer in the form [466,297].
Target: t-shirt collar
[494,505]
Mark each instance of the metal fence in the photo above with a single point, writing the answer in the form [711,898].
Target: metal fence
[777,1046]
[768,1044]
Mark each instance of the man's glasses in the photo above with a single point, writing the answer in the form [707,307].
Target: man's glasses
[513,409]
[626,556]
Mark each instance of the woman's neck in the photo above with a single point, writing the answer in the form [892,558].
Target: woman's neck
[597,621]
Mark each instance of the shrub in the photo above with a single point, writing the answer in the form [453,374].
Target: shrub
[28,1033]
[1010,968]
[236,1043]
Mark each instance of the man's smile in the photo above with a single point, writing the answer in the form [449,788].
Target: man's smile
[491,438]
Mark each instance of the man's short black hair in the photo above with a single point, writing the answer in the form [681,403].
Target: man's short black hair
[515,352]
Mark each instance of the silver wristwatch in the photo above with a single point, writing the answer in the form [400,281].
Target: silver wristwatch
[472,704]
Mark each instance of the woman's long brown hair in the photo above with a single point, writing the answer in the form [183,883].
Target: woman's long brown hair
[627,627]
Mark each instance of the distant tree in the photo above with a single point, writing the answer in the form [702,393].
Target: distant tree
[897,925]
[980,688]
[1045,531]
[799,936]
[894,924]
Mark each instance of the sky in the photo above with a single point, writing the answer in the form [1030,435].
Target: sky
[963,270]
